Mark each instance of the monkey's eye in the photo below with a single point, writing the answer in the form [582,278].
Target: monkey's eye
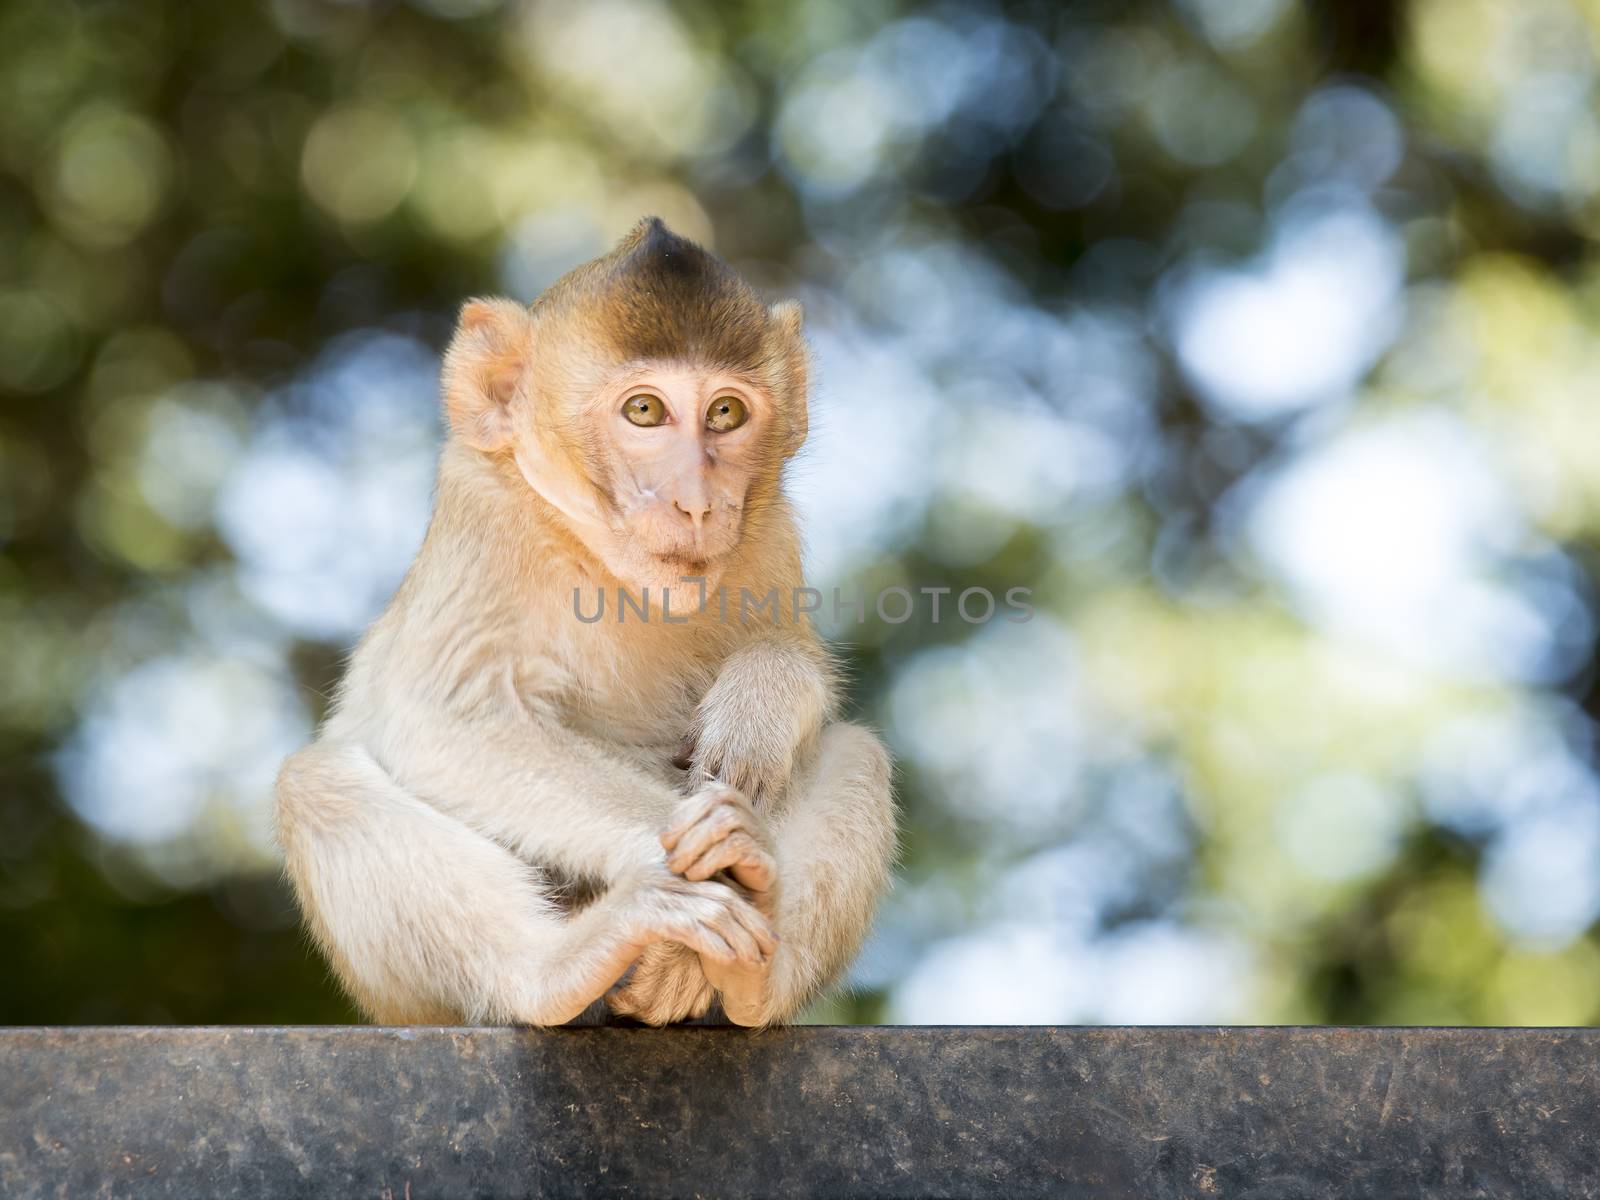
[644,409]
[725,413]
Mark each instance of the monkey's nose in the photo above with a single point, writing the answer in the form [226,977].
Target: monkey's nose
[696,508]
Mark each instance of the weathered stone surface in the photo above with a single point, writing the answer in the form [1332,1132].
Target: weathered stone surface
[1101,1112]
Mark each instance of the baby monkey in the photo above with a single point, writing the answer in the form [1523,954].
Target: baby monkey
[511,809]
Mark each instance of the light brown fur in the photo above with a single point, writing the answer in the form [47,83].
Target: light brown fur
[487,745]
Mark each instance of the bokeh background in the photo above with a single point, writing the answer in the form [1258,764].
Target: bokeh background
[1259,338]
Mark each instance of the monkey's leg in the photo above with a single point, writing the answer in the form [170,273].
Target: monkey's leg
[817,867]
[425,920]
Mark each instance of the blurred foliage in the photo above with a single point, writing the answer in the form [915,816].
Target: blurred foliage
[1257,338]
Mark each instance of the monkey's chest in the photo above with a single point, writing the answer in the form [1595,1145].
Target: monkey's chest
[637,688]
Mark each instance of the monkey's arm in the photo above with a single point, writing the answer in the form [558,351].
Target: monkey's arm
[545,792]
[816,869]
[763,712]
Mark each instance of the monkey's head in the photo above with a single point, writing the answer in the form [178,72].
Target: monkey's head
[649,396]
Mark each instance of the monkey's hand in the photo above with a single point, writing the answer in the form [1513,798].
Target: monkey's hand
[767,704]
[717,830]
[709,917]
[683,926]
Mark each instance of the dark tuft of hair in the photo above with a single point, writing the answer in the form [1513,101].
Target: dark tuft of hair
[659,295]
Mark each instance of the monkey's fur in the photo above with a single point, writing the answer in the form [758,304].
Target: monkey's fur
[490,826]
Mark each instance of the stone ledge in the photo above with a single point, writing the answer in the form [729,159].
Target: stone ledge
[1135,1112]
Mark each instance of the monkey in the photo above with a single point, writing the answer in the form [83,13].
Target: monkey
[512,816]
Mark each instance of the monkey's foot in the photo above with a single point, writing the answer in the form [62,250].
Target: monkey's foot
[664,986]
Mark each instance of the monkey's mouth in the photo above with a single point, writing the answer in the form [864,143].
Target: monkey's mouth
[684,561]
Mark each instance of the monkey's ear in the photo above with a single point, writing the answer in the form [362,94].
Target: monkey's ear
[789,316]
[788,328]
[483,369]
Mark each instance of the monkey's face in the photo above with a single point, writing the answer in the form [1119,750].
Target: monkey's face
[649,396]
[674,449]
